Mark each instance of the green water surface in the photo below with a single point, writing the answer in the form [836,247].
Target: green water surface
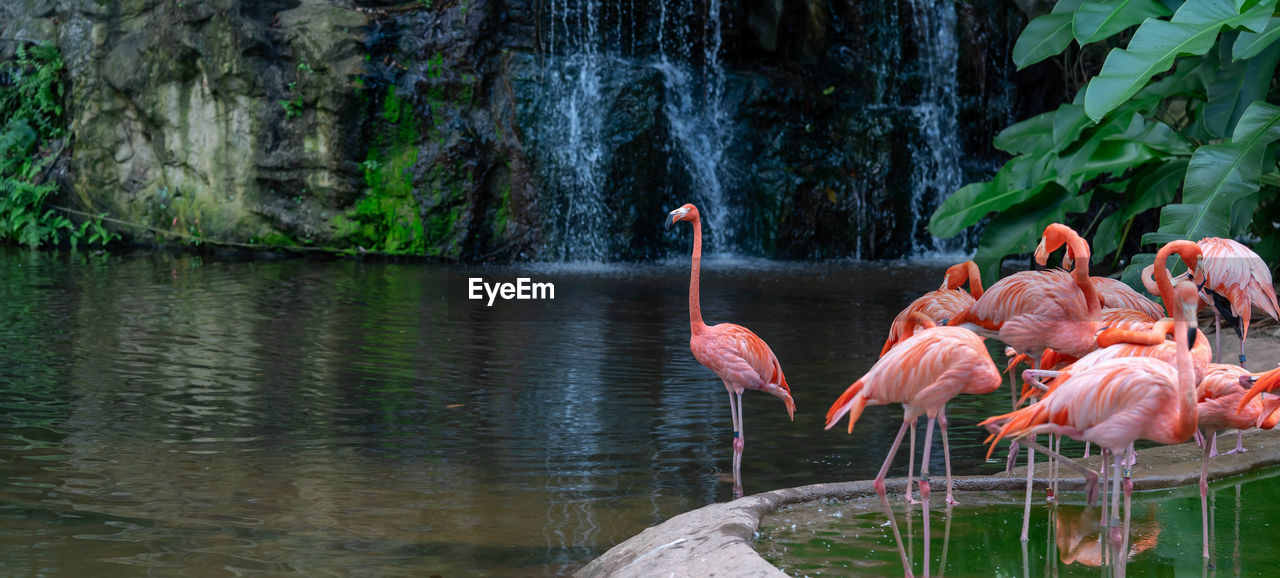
[979,537]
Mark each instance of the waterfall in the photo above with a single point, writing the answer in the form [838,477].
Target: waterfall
[699,122]
[632,110]
[936,171]
[572,124]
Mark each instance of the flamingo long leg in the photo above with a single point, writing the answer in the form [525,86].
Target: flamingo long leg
[1204,500]
[946,454]
[1114,521]
[893,450]
[739,444]
[911,464]
[1026,506]
[924,487]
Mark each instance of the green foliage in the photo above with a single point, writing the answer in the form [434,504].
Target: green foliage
[31,92]
[1179,121]
[387,217]
[294,106]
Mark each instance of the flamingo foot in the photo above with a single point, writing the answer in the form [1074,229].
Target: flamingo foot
[951,500]
[879,486]
[1049,497]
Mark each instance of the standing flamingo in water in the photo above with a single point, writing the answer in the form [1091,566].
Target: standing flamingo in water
[737,356]
[923,372]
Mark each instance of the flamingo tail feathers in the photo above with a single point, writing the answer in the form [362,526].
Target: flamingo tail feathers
[851,402]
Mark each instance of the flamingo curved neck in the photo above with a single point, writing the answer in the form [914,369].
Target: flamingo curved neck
[1080,272]
[695,309]
[1188,413]
[1164,282]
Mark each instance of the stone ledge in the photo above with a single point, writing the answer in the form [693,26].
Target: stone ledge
[716,540]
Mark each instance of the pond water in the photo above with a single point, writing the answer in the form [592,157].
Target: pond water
[979,537]
[183,415]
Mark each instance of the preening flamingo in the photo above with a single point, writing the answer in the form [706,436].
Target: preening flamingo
[737,356]
[942,303]
[1235,280]
[1034,310]
[1119,401]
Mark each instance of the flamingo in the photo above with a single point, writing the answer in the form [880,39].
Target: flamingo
[923,373]
[942,303]
[1235,280]
[1032,310]
[1119,401]
[737,356]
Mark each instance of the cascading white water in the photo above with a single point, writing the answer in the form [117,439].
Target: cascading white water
[597,54]
[573,127]
[936,171]
[698,119]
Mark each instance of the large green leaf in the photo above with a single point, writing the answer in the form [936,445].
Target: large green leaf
[1033,135]
[1047,35]
[1249,44]
[1218,176]
[1236,86]
[1094,21]
[1157,43]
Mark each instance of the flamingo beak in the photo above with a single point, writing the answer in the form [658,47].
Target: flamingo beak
[676,215]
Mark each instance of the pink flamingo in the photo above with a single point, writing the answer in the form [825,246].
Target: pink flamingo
[737,356]
[1119,401]
[1235,280]
[923,373]
[942,303]
[1034,310]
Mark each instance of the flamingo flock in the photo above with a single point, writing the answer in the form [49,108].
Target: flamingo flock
[1108,365]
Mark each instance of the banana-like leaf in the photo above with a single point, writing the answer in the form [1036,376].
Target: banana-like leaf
[1242,5]
[1157,43]
[1095,21]
[1031,136]
[1047,35]
[1219,176]
[1132,275]
[1237,85]
[1249,44]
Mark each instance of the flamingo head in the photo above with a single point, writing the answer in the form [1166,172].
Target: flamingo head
[686,213]
[1055,236]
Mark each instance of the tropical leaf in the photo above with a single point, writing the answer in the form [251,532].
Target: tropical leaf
[1029,136]
[1095,21]
[1047,35]
[1249,44]
[1218,176]
[1157,43]
[1236,86]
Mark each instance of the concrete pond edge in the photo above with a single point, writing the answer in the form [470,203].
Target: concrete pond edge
[717,540]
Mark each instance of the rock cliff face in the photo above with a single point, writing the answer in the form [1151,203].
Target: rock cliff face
[478,129]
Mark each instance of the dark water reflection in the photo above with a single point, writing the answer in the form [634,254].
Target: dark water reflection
[180,415]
